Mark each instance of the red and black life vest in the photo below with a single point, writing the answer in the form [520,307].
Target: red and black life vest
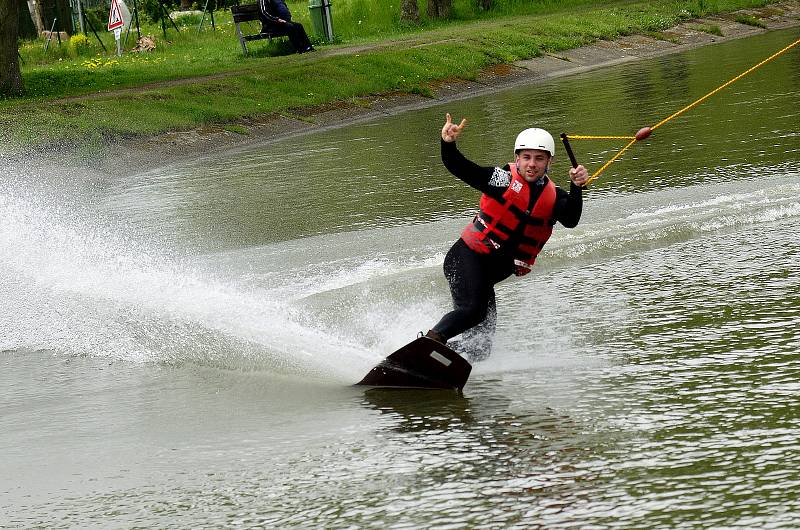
[517,223]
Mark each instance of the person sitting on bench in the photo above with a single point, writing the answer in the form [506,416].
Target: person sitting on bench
[275,17]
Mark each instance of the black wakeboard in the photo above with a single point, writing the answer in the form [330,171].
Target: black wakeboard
[422,363]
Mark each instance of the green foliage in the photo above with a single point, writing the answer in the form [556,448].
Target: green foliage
[188,21]
[750,21]
[80,45]
[356,19]
[238,129]
[97,18]
[152,9]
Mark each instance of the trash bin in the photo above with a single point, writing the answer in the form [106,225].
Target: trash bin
[320,11]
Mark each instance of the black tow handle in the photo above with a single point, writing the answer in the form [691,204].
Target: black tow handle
[568,147]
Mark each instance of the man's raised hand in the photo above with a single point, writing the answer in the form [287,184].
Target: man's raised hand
[450,131]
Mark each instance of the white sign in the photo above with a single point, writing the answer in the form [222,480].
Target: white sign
[115,19]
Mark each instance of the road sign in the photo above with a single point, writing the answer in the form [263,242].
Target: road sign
[115,19]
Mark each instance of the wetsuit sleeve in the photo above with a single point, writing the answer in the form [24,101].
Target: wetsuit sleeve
[479,177]
[569,206]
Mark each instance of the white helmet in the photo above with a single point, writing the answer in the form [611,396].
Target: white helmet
[535,139]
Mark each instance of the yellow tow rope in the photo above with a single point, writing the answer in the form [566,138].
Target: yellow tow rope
[644,132]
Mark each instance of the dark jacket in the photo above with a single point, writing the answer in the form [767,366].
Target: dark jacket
[274,9]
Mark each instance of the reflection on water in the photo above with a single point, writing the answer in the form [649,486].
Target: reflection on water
[645,376]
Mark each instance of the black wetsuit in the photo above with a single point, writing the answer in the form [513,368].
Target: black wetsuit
[271,11]
[472,276]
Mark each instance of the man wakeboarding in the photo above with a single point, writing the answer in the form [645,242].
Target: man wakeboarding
[518,209]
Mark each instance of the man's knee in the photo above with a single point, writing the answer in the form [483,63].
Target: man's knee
[475,313]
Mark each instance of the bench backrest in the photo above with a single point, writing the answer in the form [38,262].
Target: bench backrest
[245,13]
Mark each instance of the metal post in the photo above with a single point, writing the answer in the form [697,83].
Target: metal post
[326,13]
[49,35]
[91,26]
[203,17]
[128,31]
[161,12]
[165,12]
[136,17]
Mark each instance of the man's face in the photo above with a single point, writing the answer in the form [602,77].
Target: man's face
[532,163]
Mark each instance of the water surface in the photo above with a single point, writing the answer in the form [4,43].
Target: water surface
[178,347]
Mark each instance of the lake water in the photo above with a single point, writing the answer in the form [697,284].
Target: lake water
[177,348]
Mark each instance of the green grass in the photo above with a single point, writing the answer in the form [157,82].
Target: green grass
[708,28]
[238,129]
[750,21]
[73,100]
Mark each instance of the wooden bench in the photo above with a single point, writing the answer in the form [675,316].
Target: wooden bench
[248,13]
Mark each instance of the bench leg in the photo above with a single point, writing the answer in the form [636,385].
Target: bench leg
[241,38]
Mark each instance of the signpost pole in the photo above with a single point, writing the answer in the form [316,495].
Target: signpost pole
[117,35]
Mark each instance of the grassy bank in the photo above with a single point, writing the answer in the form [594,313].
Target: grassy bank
[75,98]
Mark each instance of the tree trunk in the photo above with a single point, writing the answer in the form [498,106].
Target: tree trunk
[409,12]
[63,11]
[439,8]
[10,76]
[27,29]
[36,16]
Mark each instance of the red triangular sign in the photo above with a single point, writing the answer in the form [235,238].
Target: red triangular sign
[115,16]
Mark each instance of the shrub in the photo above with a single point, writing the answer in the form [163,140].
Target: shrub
[80,44]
